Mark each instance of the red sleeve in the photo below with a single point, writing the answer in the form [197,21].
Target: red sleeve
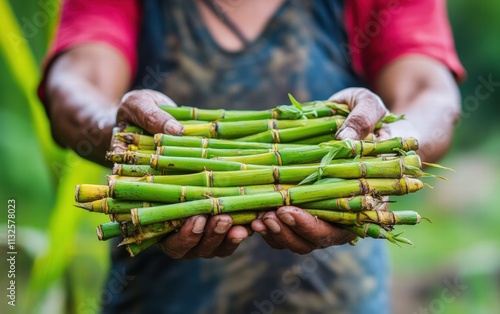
[379,31]
[114,22]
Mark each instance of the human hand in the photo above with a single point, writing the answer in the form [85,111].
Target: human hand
[366,111]
[202,237]
[140,107]
[295,229]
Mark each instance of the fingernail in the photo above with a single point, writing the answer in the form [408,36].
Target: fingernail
[346,133]
[237,240]
[222,227]
[173,127]
[263,233]
[288,219]
[199,224]
[272,225]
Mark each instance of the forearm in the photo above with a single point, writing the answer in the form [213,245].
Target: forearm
[426,93]
[432,117]
[81,118]
[83,102]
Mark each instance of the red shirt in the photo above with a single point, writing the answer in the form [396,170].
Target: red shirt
[379,31]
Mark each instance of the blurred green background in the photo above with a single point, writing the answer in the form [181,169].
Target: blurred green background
[454,268]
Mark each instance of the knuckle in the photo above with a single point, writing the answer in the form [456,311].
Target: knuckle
[274,244]
[151,115]
[366,95]
[361,123]
[187,242]
[133,98]
[167,250]
[326,240]
[365,90]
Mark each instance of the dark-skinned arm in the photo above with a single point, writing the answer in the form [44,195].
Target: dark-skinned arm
[425,91]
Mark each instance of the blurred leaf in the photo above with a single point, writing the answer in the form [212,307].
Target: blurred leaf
[20,62]
[63,229]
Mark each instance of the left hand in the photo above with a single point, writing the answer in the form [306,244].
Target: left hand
[295,229]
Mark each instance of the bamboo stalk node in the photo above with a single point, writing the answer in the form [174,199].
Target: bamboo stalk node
[153,163]
[271,124]
[362,169]
[135,216]
[194,113]
[276,136]
[182,197]
[157,139]
[276,174]
[278,158]
[204,153]
[213,130]
[243,190]
[364,187]
[205,142]
[210,178]
[285,194]
[216,207]
[117,169]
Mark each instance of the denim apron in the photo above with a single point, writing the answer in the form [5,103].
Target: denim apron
[299,52]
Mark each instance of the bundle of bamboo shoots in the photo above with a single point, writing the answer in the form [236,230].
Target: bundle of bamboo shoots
[244,163]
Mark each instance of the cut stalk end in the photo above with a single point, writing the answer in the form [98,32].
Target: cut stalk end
[413,184]
[111,186]
[94,206]
[99,232]
[157,139]
[117,169]
[410,143]
[77,192]
[90,192]
[86,206]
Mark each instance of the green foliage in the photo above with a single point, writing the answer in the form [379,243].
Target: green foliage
[34,168]
[475,25]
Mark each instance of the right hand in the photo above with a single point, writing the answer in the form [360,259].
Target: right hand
[140,107]
[199,236]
